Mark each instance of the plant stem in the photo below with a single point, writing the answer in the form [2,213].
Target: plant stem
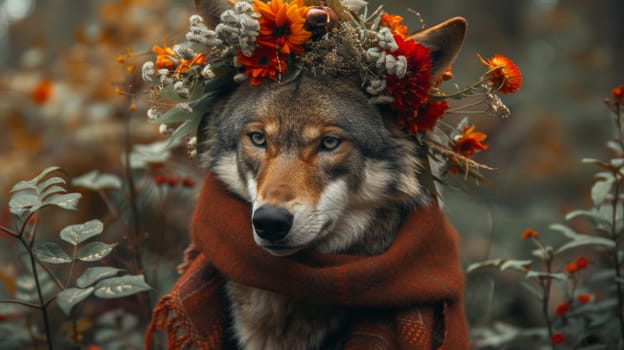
[21,302]
[44,308]
[109,203]
[616,258]
[9,232]
[546,284]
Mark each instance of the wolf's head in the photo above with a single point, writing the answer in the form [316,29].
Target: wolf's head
[320,166]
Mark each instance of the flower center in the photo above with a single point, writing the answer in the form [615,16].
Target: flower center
[263,61]
[282,31]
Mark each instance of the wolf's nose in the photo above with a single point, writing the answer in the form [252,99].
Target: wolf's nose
[272,222]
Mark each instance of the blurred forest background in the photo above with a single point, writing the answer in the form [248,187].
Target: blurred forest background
[70,96]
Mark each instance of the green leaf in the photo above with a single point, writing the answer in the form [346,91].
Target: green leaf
[539,275]
[189,127]
[585,241]
[615,146]
[52,190]
[617,162]
[95,251]
[94,274]
[117,287]
[50,182]
[502,264]
[76,234]
[579,240]
[601,189]
[32,183]
[67,201]
[95,181]
[50,252]
[156,152]
[24,201]
[68,298]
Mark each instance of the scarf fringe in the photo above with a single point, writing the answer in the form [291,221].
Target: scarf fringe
[169,316]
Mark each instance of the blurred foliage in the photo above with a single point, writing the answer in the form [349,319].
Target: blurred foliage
[70,95]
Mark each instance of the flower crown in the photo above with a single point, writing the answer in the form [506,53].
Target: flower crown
[278,40]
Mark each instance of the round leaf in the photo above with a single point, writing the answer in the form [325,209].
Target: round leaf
[94,274]
[95,251]
[50,252]
[117,287]
[67,201]
[76,234]
[68,298]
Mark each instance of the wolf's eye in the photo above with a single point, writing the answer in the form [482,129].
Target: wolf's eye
[257,138]
[329,143]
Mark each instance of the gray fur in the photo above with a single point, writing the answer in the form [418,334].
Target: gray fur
[378,180]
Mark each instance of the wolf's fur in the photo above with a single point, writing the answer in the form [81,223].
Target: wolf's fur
[350,199]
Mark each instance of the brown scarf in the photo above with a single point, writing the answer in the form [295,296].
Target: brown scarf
[409,297]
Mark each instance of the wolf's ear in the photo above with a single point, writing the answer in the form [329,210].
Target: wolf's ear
[211,10]
[444,40]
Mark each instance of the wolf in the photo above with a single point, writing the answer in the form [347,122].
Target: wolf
[322,169]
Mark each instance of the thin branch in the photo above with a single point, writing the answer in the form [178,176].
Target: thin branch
[21,302]
[9,232]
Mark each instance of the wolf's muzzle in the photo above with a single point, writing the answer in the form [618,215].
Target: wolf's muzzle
[272,222]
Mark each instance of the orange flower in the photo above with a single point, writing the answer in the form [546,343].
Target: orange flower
[579,264]
[618,93]
[503,74]
[584,298]
[561,309]
[281,25]
[529,233]
[185,65]
[394,23]
[470,141]
[571,267]
[42,92]
[265,62]
[164,57]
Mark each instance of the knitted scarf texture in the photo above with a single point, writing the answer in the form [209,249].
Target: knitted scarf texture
[409,297]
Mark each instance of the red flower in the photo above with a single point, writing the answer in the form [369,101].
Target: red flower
[470,141]
[160,180]
[425,118]
[529,233]
[172,181]
[503,75]
[188,182]
[557,338]
[265,62]
[618,93]
[581,263]
[411,93]
[561,309]
[584,298]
